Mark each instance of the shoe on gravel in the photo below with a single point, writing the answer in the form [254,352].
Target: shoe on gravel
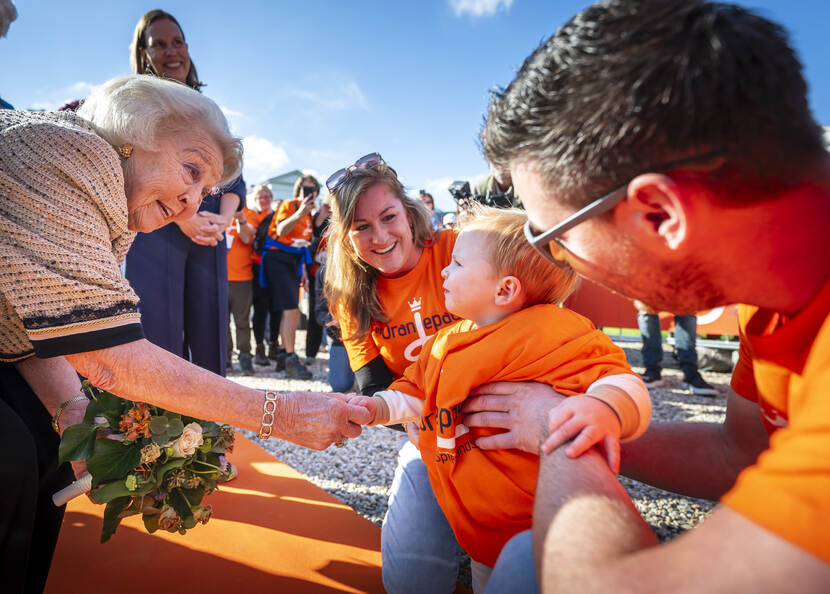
[295,369]
[260,357]
[280,361]
[245,364]
[652,378]
[699,386]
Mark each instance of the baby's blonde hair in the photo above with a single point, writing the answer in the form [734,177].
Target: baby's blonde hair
[511,255]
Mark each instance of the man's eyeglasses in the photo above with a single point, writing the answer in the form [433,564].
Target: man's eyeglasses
[547,244]
[337,178]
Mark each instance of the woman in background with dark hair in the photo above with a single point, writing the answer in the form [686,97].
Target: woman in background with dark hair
[172,266]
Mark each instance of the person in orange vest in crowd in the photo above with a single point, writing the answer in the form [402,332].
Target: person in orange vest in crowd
[240,281]
[284,266]
[264,200]
[506,291]
[667,150]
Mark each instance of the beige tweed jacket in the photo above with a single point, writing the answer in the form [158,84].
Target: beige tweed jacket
[63,237]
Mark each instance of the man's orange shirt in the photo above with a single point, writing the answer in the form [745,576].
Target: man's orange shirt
[785,367]
[301,230]
[487,495]
[239,254]
[415,306]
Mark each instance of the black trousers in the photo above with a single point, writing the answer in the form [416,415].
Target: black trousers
[314,331]
[262,307]
[29,475]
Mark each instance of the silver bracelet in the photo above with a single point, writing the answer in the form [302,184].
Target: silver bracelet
[58,412]
[269,407]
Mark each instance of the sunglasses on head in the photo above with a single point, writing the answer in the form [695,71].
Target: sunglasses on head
[337,178]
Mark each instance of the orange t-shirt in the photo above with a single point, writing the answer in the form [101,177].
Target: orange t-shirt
[487,495]
[239,254]
[415,306]
[785,367]
[301,230]
[255,217]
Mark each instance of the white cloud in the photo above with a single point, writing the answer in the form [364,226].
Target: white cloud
[57,98]
[234,118]
[479,8]
[263,159]
[82,88]
[340,98]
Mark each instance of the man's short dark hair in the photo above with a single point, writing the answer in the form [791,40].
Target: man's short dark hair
[627,85]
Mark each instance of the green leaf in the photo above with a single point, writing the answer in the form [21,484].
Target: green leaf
[194,496]
[111,519]
[161,471]
[180,503]
[160,438]
[175,427]
[159,424]
[112,460]
[117,489]
[188,522]
[109,406]
[76,443]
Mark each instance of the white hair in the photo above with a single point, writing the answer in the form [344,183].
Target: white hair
[7,14]
[142,109]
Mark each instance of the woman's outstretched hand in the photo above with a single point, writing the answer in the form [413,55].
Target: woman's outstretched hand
[316,420]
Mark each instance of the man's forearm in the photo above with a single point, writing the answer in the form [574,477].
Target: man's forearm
[698,459]
[582,520]
[684,458]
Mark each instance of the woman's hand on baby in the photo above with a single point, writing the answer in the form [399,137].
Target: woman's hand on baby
[589,422]
[366,402]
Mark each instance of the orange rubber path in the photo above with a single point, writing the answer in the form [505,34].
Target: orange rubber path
[271,531]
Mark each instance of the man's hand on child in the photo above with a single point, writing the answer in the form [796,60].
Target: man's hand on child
[366,402]
[588,422]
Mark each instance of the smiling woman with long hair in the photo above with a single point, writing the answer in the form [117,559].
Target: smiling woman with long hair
[384,286]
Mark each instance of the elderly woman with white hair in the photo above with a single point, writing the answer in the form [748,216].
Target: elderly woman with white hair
[74,189]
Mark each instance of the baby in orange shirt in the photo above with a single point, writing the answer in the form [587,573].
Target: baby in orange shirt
[513,330]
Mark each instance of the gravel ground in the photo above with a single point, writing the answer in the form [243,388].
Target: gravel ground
[360,473]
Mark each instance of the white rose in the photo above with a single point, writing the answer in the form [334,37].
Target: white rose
[189,440]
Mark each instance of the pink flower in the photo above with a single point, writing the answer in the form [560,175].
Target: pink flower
[202,513]
[188,441]
[168,519]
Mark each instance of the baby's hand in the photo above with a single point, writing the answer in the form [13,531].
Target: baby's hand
[590,422]
[366,402]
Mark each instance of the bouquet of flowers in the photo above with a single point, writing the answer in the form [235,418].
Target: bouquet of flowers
[148,461]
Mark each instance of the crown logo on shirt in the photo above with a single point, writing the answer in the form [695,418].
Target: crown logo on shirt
[415,304]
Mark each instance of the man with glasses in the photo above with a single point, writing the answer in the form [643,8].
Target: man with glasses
[666,149]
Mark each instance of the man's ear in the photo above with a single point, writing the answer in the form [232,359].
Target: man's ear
[655,211]
[509,292]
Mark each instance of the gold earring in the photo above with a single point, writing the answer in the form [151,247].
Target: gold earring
[125,151]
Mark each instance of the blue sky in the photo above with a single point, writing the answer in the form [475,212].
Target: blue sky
[315,84]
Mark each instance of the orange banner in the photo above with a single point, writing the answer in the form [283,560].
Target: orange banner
[610,310]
